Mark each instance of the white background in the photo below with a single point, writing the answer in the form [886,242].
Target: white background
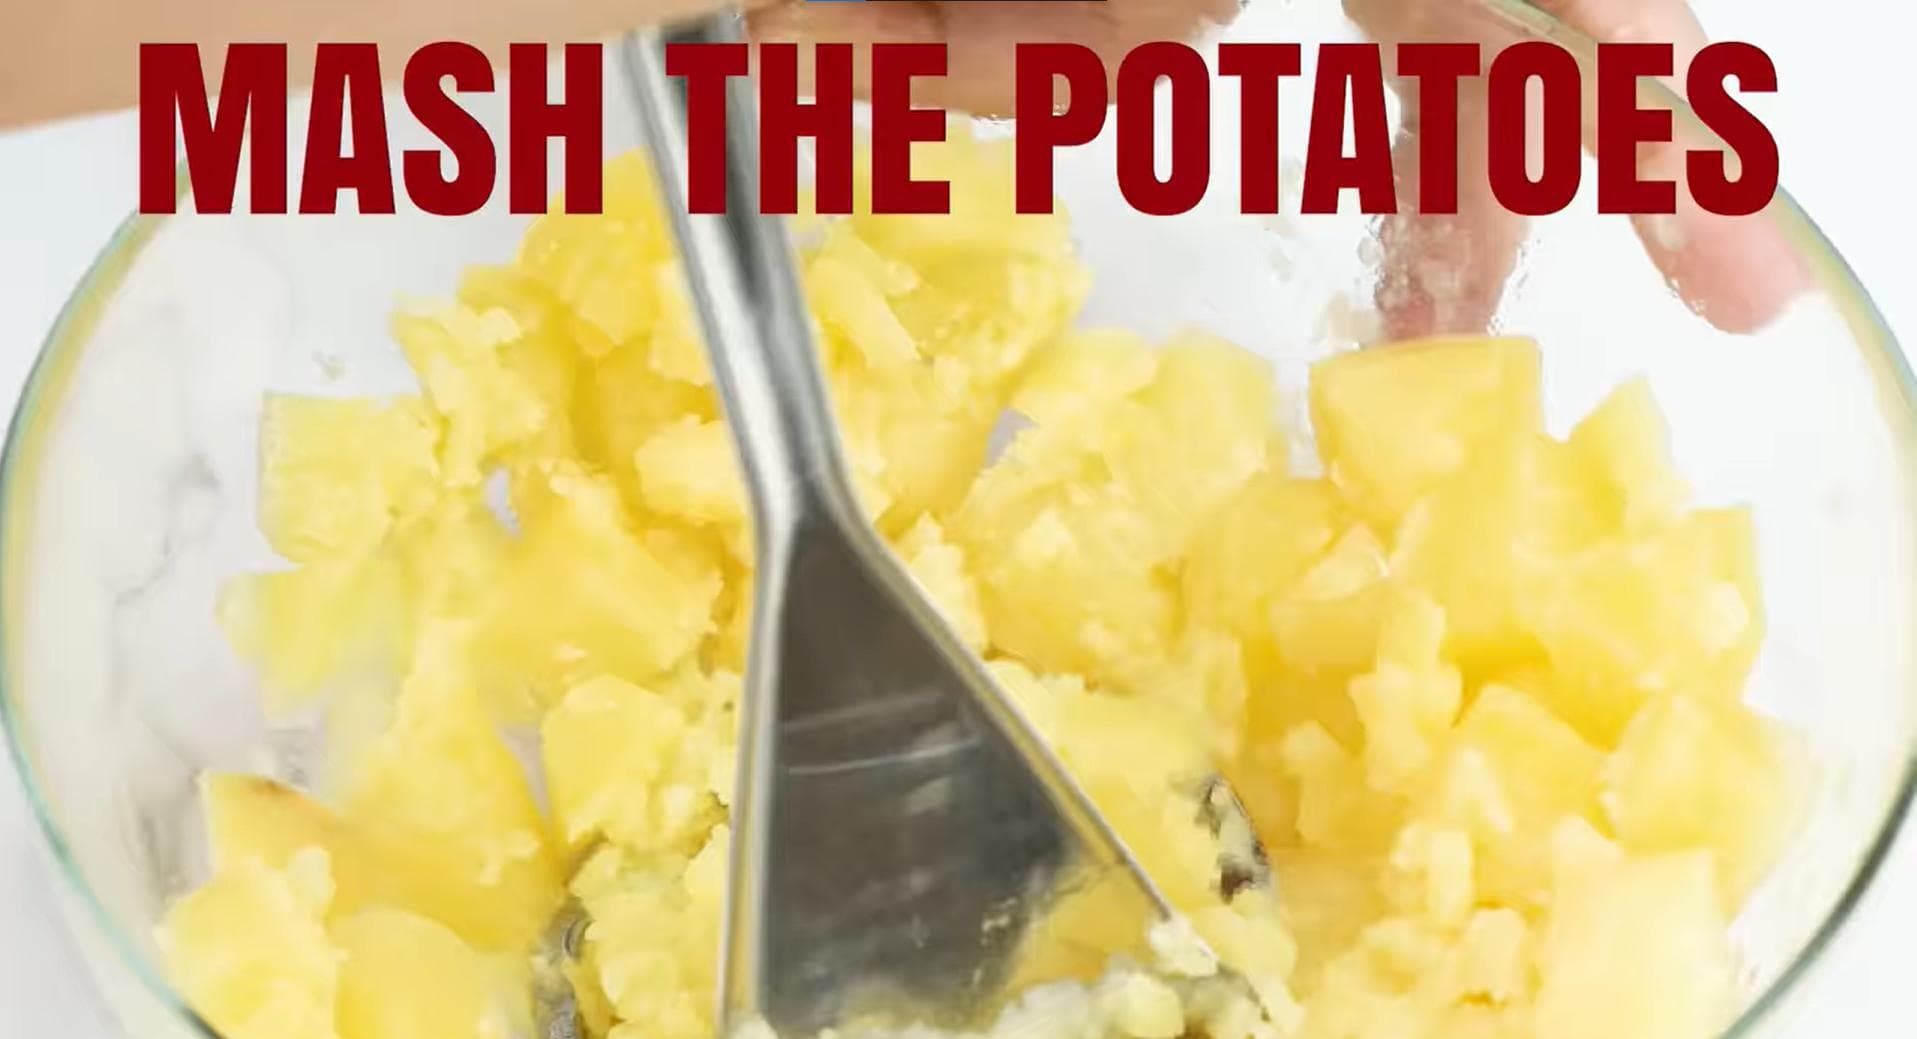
[1846,155]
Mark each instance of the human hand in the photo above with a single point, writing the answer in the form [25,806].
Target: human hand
[42,44]
[982,38]
[1442,273]
[1447,273]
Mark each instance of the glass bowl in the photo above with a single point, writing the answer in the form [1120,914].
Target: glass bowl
[130,486]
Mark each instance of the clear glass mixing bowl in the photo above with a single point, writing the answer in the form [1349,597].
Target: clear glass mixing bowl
[130,486]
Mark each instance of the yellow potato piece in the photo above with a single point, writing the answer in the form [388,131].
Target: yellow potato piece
[1072,380]
[1692,773]
[1497,527]
[1394,422]
[1625,445]
[628,764]
[1676,610]
[443,773]
[338,473]
[403,976]
[1410,699]
[306,627]
[1327,620]
[688,470]
[373,863]
[620,402]
[591,263]
[453,557]
[585,593]
[1255,546]
[1200,430]
[654,938]
[1478,687]
[250,953]
[1511,772]
[1073,531]
[1637,948]
[941,570]
[488,404]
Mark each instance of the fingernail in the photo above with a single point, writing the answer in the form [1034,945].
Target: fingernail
[1737,272]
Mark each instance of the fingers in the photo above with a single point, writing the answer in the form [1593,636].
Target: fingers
[1633,21]
[1446,274]
[1441,272]
[1738,273]
[982,38]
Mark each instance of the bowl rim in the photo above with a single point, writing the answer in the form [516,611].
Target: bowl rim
[64,343]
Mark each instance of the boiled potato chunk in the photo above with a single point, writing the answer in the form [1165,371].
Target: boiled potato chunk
[338,473]
[373,864]
[1338,811]
[1074,532]
[1694,773]
[621,402]
[1625,445]
[488,404]
[854,305]
[249,950]
[1253,548]
[1676,610]
[1393,423]
[1143,761]
[406,977]
[1500,524]
[436,817]
[1068,578]
[1129,753]
[688,470]
[1327,620]
[628,764]
[1072,381]
[442,772]
[1636,947]
[1512,771]
[304,628]
[453,557]
[917,435]
[585,593]
[534,308]
[941,570]
[1477,687]
[591,264]
[654,937]
[1197,433]
[1410,699]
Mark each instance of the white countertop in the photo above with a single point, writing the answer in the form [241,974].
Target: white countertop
[64,188]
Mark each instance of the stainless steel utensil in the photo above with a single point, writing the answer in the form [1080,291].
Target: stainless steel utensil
[898,821]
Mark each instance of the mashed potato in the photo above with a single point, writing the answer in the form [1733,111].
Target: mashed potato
[1479,687]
